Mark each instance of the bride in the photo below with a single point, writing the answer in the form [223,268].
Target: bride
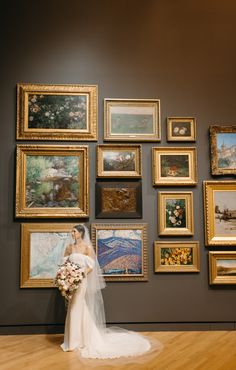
[85,328]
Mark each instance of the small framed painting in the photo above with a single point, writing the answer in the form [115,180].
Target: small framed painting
[222,268]
[177,256]
[223,150]
[56,112]
[220,213]
[52,181]
[42,250]
[175,213]
[118,199]
[119,160]
[174,166]
[121,251]
[181,129]
[132,120]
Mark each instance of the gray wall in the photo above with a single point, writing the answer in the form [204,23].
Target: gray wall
[182,52]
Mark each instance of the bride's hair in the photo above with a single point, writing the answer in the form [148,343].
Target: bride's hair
[80,228]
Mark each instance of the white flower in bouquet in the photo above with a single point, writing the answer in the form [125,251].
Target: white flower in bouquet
[68,278]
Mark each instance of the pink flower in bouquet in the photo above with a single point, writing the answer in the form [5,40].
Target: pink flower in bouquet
[68,278]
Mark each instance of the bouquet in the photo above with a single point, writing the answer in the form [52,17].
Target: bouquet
[68,278]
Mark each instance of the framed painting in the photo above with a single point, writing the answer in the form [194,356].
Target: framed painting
[42,250]
[223,150]
[119,160]
[56,112]
[132,120]
[222,267]
[121,251]
[52,181]
[175,213]
[119,199]
[220,212]
[176,256]
[174,166]
[181,129]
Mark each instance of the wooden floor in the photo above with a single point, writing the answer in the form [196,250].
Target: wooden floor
[214,350]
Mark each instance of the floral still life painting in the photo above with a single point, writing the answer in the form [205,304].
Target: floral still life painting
[181,129]
[175,213]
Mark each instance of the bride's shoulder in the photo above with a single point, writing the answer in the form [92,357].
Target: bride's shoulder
[68,250]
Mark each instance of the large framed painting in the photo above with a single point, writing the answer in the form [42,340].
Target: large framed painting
[175,213]
[175,166]
[222,267]
[42,250]
[223,150]
[119,160]
[132,120]
[220,213]
[119,199]
[52,181]
[56,112]
[181,129]
[121,251]
[176,256]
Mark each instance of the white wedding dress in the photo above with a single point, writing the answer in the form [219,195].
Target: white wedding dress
[83,333]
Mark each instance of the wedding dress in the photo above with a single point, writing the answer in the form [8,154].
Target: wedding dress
[85,327]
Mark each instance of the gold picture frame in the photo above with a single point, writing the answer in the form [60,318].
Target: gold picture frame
[119,160]
[220,213]
[132,120]
[222,142]
[42,250]
[175,166]
[56,112]
[176,256]
[181,129]
[222,268]
[121,250]
[52,181]
[175,213]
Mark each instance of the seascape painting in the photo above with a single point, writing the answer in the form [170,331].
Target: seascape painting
[122,160]
[174,165]
[225,212]
[226,267]
[177,256]
[131,120]
[226,150]
[175,213]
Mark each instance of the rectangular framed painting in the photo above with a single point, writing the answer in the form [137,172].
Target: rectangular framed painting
[177,256]
[174,166]
[222,267]
[223,150]
[181,129]
[121,251]
[220,213]
[56,112]
[175,213]
[119,160]
[42,250]
[132,120]
[119,199]
[52,181]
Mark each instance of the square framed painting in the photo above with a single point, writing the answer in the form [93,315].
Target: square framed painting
[220,213]
[42,250]
[181,129]
[132,120]
[174,166]
[56,112]
[121,251]
[119,160]
[175,213]
[119,199]
[52,181]
[223,150]
[222,267]
[177,256]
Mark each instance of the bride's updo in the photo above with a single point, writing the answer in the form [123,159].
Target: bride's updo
[80,228]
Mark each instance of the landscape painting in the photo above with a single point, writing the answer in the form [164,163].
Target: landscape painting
[225,213]
[121,251]
[222,267]
[131,120]
[174,165]
[118,160]
[226,267]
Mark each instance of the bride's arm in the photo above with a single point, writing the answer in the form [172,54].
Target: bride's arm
[90,253]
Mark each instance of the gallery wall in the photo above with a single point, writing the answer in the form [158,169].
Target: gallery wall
[180,52]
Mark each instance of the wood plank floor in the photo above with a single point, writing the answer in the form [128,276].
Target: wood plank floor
[207,350]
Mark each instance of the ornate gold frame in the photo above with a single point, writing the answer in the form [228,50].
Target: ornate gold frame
[158,180]
[81,152]
[214,277]
[211,238]
[23,132]
[158,245]
[137,149]
[163,229]
[126,226]
[191,137]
